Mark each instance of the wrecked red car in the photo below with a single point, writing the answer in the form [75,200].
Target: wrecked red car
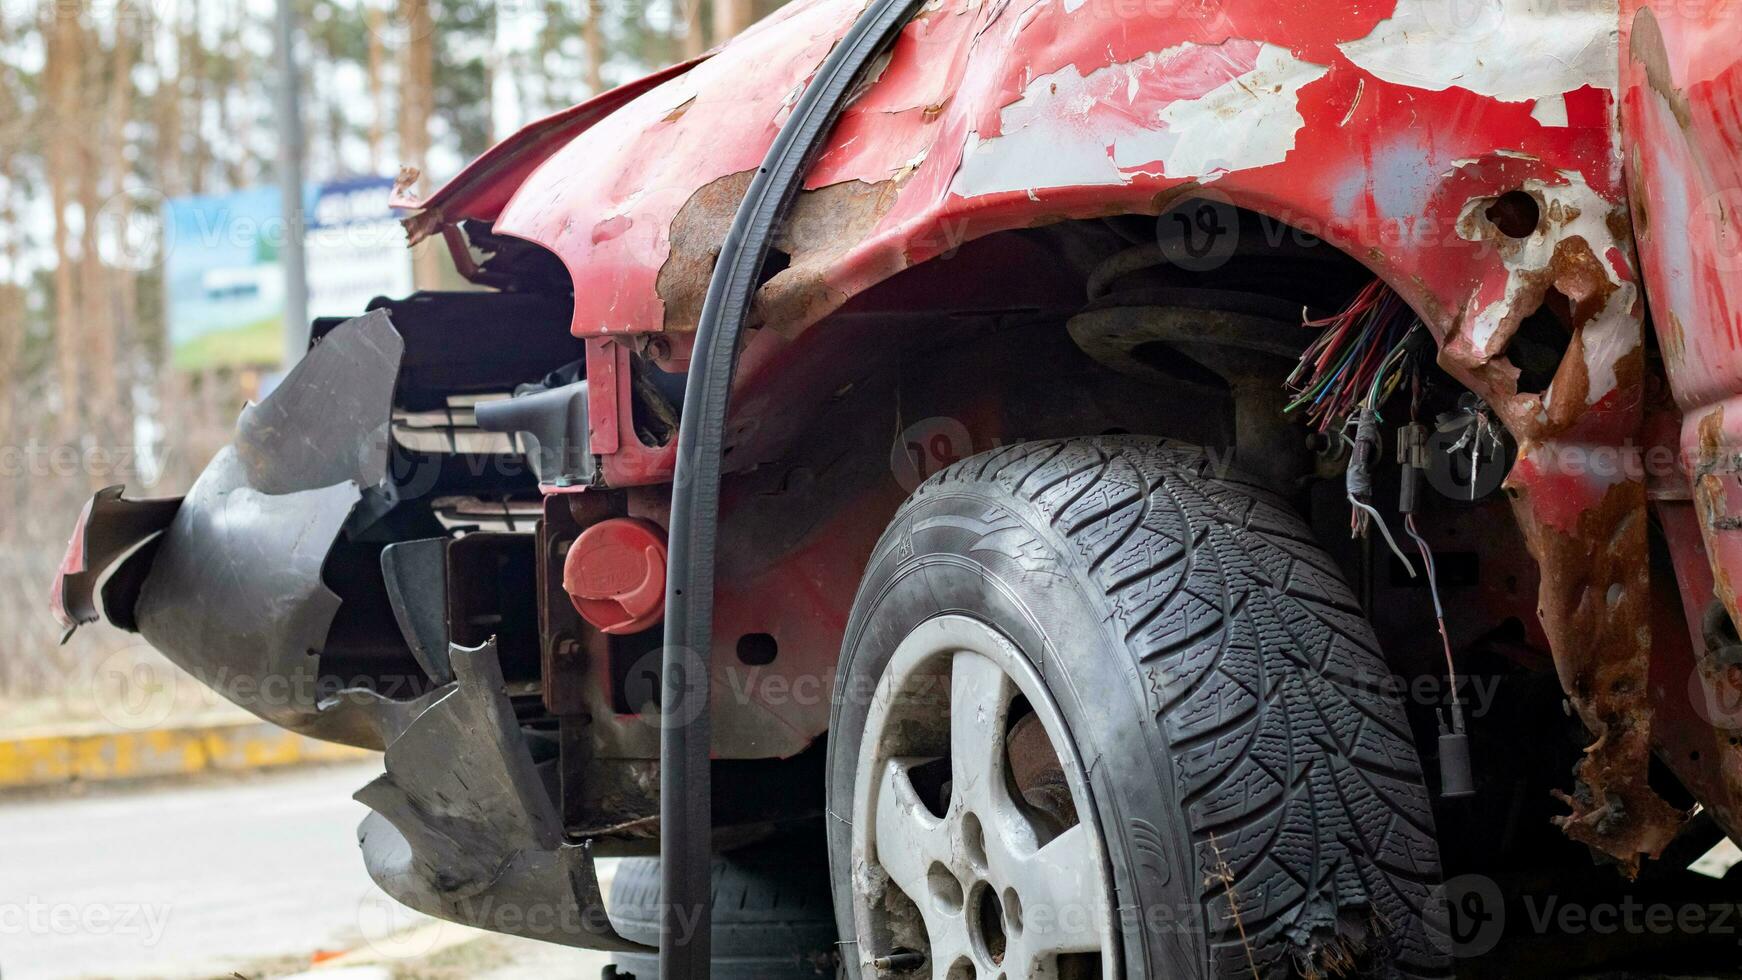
[1139,489]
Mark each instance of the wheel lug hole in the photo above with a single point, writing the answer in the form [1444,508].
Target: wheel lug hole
[1012,912]
[946,891]
[986,922]
[973,840]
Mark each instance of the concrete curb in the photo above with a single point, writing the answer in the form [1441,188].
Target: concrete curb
[50,757]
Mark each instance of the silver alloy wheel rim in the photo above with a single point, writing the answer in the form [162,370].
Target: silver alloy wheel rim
[982,872]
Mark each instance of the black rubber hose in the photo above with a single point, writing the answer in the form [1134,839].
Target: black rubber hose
[685,820]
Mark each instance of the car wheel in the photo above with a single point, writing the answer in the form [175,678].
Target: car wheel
[1103,711]
[772,913]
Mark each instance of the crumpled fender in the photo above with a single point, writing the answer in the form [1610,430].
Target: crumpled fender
[999,115]
[1387,130]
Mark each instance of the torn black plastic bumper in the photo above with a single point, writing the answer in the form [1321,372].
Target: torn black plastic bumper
[474,836]
[111,526]
[227,581]
[235,594]
[287,581]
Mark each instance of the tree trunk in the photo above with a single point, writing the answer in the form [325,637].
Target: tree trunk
[12,297]
[197,64]
[168,110]
[109,325]
[694,43]
[416,104]
[96,338]
[61,77]
[593,34]
[730,17]
[377,92]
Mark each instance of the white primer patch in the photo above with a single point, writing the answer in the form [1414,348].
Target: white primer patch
[1511,50]
[1072,130]
[1550,111]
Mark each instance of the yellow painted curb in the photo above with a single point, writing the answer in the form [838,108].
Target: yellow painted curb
[51,757]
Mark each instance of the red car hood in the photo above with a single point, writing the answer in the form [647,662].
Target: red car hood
[480,190]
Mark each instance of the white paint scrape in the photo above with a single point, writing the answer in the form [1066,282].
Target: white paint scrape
[1072,130]
[1512,50]
[1245,122]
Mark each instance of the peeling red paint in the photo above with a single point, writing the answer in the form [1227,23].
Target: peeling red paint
[952,78]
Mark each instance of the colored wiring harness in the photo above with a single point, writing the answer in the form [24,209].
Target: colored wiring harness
[1357,359]
[1356,363]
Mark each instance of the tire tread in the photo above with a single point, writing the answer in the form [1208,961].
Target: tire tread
[1294,763]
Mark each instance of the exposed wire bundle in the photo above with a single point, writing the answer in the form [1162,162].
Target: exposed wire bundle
[1361,357]
[1356,360]
[1348,371]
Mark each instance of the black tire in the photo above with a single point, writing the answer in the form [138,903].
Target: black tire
[772,914]
[1220,683]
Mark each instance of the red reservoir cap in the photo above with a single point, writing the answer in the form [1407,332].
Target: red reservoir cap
[615,574]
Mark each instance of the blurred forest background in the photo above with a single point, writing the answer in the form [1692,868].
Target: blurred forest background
[108,108]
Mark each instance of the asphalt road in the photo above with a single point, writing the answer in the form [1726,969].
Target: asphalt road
[258,876]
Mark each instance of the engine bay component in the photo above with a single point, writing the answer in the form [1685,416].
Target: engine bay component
[615,575]
[552,416]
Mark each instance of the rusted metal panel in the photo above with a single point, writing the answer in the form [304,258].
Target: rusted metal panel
[1681,111]
[1001,115]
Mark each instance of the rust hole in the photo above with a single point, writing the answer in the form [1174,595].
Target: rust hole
[773,265]
[1540,344]
[1515,213]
